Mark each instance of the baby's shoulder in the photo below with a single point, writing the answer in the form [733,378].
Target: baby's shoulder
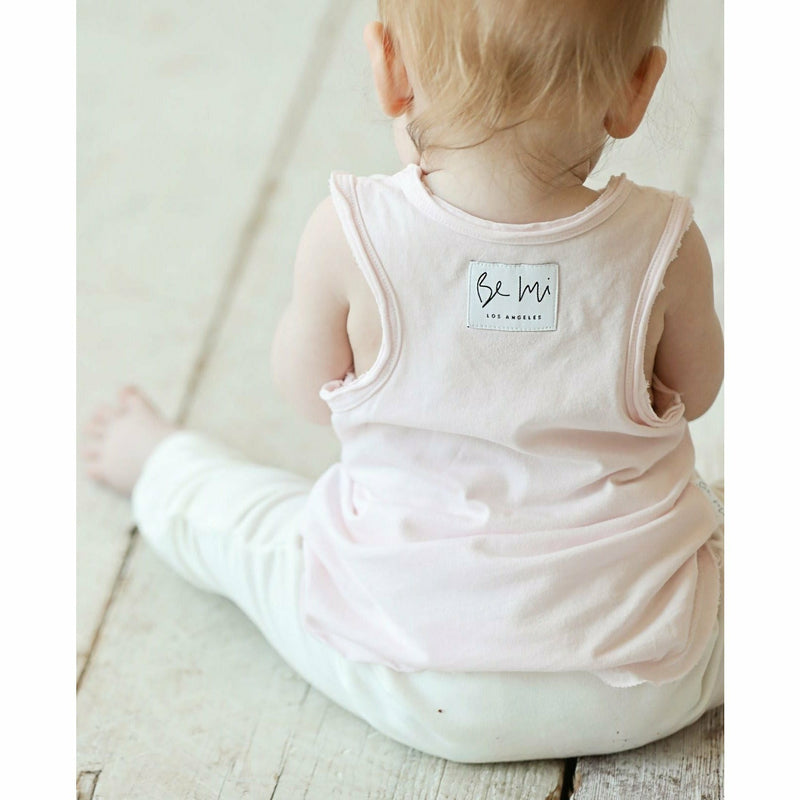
[325,263]
[681,255]
[323,234]
[664,220]
[690,269]
[685,254]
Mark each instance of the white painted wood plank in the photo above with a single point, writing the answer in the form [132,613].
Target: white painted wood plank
[527,779]
[178,106]
[347,759]
[184,698]
[685,766]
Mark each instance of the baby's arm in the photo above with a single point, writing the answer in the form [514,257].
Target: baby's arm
[689,357]
[311,345]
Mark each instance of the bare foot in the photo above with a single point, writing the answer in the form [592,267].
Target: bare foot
[120,438]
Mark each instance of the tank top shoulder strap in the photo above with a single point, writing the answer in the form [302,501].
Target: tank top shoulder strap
[348,202]
[679,219]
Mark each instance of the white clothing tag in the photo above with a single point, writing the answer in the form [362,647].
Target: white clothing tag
[512,297]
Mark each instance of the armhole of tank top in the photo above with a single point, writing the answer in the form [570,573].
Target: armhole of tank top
[636,396]
[343,395]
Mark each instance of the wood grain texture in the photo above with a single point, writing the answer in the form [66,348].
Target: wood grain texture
[685,766]
[186,699]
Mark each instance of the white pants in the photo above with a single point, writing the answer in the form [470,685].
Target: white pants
[234,528]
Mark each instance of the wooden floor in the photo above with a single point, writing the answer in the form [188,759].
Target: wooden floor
[207,131]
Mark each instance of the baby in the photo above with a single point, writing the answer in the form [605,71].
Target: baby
[514,557]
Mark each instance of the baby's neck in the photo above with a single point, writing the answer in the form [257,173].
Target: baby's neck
[487,183]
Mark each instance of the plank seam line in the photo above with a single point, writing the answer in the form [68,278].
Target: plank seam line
[277,781]
[286,748]
[115,588]
[225,779]
[568,782]
[94,776]
[310,778]
[308,85]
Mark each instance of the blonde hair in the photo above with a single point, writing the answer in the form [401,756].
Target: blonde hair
[490,65]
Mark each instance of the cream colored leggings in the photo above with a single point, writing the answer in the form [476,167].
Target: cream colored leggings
[233,527]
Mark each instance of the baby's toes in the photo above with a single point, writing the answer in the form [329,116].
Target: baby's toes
[137,404]
[130,397]
[92,458]
[127,392]
[94,469]
[96,427]
[102,416]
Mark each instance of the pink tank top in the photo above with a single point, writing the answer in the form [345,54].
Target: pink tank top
[507,499]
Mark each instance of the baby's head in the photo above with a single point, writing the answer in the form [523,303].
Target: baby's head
[459,72]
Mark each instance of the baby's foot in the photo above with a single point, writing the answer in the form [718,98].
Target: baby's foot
[119,440]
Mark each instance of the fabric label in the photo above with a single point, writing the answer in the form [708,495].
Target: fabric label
[512,297]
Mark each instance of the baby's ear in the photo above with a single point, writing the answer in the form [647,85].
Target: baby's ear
[391,79]
[628,110]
